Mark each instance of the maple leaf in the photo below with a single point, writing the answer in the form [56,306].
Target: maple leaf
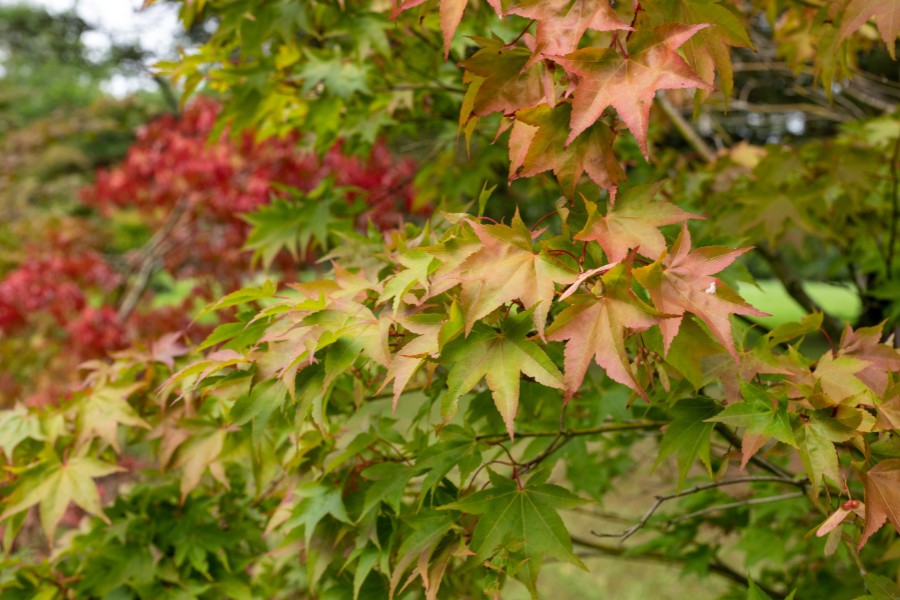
[816,439]
[882,497]
[500,358]
[506,268]
[632,223]
[53,485]
[103,410]
[17,425]
[595,328]
[681,282]
[524,514]
[886,14]
[537,143]
[709,50]
[504,80]
[201,451]
[317,502]
[628,83]
[433,332]
[451,12]
[865,344]
[761,417]
[562,23]
[688,435]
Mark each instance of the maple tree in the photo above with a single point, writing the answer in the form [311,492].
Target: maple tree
[537,337]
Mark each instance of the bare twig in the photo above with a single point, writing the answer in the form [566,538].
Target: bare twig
[660,500]
[895,210]
[689,134]
[716,566]
[737,504]
[148,258]
[599,430]
[794,287]
[762,463]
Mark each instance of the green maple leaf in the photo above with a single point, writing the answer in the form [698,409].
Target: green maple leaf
[537,143]
[596,330]
[506,268]
[296,225]
[761,417]
[458,448]
[427,529]
[759,414]
[419,265]
[522,518]
[53,485]
[816,438]
[17,425]
[318,501]
[633,223]
[103,410]
[500,357]
[688,435]
[628,83]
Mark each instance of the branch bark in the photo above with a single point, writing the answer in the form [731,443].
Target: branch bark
[660,500]
[716,566]
[794,287]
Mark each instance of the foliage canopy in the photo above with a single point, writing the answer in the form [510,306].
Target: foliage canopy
[456,398]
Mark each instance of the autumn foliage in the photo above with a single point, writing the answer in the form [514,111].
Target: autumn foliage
[448,403]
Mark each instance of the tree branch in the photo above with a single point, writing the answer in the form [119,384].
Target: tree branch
[895,210]
[610,428]
[660,500]
[716,566]
[794,288]
[689,134]
[737,504]
[148,256]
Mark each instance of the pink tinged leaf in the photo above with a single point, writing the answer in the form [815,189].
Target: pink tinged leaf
[833,521]
[584,277]
[595,330]
[451,15]
[751,443]
[887,18]
[629,83]
[882,485]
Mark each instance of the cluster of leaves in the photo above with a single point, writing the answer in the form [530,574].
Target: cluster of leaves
[509,349]
[175,214]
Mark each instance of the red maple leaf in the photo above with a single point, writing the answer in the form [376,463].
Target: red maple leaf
[628,83]
[682,282]
[882,497]
[562,23]
[596,329]
[633,224]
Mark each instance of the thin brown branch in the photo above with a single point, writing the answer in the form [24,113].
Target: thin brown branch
[762,463]
[600,430]
[148,258]
[738,504]
[689,134]
[806,107]
[895,210]
[660,500]
[716,566]
[794,288]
